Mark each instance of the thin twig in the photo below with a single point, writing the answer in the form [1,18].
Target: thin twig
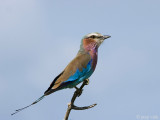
[76,94]
[83,108]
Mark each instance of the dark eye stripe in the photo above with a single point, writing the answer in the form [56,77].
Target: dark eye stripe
[93,36]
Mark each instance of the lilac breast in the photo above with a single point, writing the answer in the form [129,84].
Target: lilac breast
[94,55]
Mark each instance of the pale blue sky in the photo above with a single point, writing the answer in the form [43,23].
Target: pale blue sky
[38,39]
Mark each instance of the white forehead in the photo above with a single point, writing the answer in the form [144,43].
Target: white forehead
[95,33]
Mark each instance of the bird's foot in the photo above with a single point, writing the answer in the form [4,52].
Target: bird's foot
[78,91]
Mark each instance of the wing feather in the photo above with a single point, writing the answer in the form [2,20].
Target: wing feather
[74,68]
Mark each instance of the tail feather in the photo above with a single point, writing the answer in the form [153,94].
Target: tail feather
[18,110]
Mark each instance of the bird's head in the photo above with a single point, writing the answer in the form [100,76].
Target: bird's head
[93,40]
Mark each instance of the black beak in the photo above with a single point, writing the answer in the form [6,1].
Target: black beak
[106,36]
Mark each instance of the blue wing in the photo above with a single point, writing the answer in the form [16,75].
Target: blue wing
[79,76]
[77,70]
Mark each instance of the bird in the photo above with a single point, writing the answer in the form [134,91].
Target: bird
[79,69]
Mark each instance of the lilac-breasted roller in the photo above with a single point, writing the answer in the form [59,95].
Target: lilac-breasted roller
[80,68]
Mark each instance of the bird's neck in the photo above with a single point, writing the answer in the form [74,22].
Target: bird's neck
[87,46]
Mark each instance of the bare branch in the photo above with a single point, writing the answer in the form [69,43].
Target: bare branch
[83,108]
[76,94]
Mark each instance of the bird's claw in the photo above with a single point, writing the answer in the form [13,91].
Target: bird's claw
[79,91]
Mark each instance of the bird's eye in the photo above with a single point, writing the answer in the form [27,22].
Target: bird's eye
[93,36]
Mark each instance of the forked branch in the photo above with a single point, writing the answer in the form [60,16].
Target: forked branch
[76,94]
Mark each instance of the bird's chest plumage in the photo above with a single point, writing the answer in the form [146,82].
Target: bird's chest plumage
[94,56]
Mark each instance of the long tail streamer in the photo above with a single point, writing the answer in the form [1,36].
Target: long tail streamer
[18,110]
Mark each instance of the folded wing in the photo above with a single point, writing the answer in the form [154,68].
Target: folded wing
[78,68]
